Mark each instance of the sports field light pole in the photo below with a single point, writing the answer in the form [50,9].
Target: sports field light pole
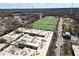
[71,10]
[32,8]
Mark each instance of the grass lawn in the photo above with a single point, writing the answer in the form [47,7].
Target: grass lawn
[47,23]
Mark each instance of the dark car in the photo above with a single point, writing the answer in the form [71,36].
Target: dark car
[73,33]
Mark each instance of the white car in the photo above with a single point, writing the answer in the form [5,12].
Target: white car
[66,35]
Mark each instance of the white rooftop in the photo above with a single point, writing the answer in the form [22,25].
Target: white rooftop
[11,36]
[35,42]
[76,49]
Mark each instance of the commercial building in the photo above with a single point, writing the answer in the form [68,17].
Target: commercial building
[28,42]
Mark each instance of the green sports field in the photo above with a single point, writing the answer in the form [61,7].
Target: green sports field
[47,23]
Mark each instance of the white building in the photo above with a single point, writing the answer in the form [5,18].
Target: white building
[76,49]
[33,42]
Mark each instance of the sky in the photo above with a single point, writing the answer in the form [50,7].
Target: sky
[37,5]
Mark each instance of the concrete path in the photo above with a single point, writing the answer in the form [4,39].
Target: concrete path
[60,39]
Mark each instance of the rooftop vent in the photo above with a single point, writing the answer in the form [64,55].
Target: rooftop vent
[2,40]
[21,46]
[31,46]
[32,34]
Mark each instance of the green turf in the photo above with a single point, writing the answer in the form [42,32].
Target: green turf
[45,23]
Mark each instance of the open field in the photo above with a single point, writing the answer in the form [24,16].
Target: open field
[47,23]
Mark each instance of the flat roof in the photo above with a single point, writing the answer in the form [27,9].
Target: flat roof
[11,36]
[34,43]
[76,49]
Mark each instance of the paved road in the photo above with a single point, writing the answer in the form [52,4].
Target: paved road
[74,38]
[60,39]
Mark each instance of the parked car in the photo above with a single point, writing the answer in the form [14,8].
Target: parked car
[73,33]
[66,35]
